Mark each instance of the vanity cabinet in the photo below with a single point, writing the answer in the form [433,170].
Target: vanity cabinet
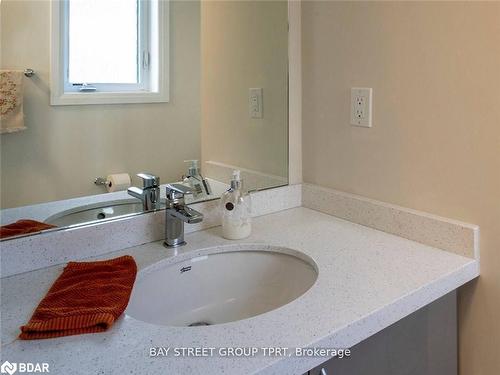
[424,342]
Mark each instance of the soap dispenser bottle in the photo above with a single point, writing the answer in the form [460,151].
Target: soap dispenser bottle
[236,210]
[195,181]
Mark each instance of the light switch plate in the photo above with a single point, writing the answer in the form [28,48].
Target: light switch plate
[361,106]
[255,102]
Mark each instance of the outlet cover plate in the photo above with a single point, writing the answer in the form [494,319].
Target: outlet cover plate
[361,107]
[255,102]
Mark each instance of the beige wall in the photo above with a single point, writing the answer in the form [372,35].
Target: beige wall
[66,147]
[244,45]
[435,141]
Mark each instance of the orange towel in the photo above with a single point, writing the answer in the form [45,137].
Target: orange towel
[23,227]
[88,297]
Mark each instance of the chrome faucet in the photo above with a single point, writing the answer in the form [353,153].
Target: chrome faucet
[177,213]
[149,195]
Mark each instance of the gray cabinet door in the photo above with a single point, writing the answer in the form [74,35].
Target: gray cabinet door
[423,343]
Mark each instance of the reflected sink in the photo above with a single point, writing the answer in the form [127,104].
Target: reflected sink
[95,212]
[221,286]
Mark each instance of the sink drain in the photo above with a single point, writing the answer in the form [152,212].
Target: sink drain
[198,324]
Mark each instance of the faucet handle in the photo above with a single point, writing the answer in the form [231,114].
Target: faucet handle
[175,191]
[149,180]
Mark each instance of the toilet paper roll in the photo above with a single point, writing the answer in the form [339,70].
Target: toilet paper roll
[118,182]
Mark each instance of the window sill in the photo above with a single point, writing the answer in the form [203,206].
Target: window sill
[79,98]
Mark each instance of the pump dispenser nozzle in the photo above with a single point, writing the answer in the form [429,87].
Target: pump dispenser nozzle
[193,169]
[236,180]
[236,210]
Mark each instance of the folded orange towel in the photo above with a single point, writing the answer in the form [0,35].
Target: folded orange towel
[23,227]
[88,297]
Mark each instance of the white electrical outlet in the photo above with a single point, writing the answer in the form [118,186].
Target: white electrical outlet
[361,106]
[255,103]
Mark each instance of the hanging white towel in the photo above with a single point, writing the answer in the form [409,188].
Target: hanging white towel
[11,101]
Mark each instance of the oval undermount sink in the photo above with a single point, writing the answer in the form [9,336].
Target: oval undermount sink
[95,212]
[222,286]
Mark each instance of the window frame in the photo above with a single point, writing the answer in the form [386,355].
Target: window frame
[154,40]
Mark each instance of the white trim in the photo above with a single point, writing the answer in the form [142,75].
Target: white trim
[159,87]
[294,93]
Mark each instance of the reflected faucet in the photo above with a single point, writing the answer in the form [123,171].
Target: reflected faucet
[149,195]
[177,213]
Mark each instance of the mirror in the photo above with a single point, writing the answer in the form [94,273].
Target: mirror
[196,90]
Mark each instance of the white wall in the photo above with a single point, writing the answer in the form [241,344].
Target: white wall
[435,141]
[65,148]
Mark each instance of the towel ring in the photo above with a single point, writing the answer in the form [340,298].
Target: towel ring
[29,72]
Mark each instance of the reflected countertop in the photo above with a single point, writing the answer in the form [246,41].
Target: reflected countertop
[42,211]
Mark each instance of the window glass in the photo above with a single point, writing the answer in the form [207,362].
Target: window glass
[103,41]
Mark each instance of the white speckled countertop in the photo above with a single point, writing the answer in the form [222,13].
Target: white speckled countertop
[367,280]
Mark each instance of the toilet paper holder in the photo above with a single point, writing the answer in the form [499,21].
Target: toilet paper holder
[114,182]
[101,181]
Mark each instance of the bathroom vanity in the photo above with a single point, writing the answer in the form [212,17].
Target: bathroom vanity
[322,271]
[362,282]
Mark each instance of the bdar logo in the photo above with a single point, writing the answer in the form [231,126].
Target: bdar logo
[8,368]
